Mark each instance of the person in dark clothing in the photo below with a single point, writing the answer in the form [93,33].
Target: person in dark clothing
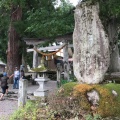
[4,84]
[22,75]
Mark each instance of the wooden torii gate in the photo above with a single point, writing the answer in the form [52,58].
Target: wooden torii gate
[65,39]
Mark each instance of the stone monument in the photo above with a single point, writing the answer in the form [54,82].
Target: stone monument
[91,46]
[22,93]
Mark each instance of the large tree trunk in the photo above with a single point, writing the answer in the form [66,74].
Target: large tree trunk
[13,52]
[91,45]
[114,51]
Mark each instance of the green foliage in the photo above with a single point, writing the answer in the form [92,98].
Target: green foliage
[29,112]
[39,19]
[91,117]
[40,68]
[4,22]
[114,86]
[3,48]
[29,59]
[5,7]
[33,110]
[6,4]
[67,106]
[51,21]
[67,89]
[108,104]
[109,10]
[64,81]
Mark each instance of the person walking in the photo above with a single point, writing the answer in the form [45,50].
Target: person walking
[4,84]
[16,78]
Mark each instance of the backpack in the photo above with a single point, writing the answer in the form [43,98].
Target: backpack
[4,81]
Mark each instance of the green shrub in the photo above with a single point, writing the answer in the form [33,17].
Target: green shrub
[66,89]
[71,102]
[91,117]
[64,81]
[33,110]
[28,112]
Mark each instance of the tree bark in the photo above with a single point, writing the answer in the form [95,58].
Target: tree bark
[13,51]
[114,61]
[114,51]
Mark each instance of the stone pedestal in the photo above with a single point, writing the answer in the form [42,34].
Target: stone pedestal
[42,80]
[22,94]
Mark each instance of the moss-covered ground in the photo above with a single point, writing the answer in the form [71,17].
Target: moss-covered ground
[70,102]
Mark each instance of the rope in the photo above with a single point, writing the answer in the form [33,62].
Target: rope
[49,54]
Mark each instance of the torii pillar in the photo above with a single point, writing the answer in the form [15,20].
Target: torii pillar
[34,42]
[65,61]
[35,60]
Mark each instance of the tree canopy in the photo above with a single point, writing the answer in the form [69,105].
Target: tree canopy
[109,9]
[51,21]
[43,19]
[39,19]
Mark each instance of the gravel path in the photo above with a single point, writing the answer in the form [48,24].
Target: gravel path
[7,107]
[10,104]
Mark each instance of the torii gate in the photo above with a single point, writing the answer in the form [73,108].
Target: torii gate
[65,39]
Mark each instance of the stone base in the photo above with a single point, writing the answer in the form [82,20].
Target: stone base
[41,93]
[42,79]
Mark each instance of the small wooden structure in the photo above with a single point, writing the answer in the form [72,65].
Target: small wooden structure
[65,39]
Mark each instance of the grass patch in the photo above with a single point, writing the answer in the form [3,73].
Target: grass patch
[71,102]
[108,104]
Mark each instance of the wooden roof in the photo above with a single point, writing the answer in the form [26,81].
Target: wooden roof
[67,37]
[35,41]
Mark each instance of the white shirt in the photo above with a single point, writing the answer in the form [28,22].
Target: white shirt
[16,73]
